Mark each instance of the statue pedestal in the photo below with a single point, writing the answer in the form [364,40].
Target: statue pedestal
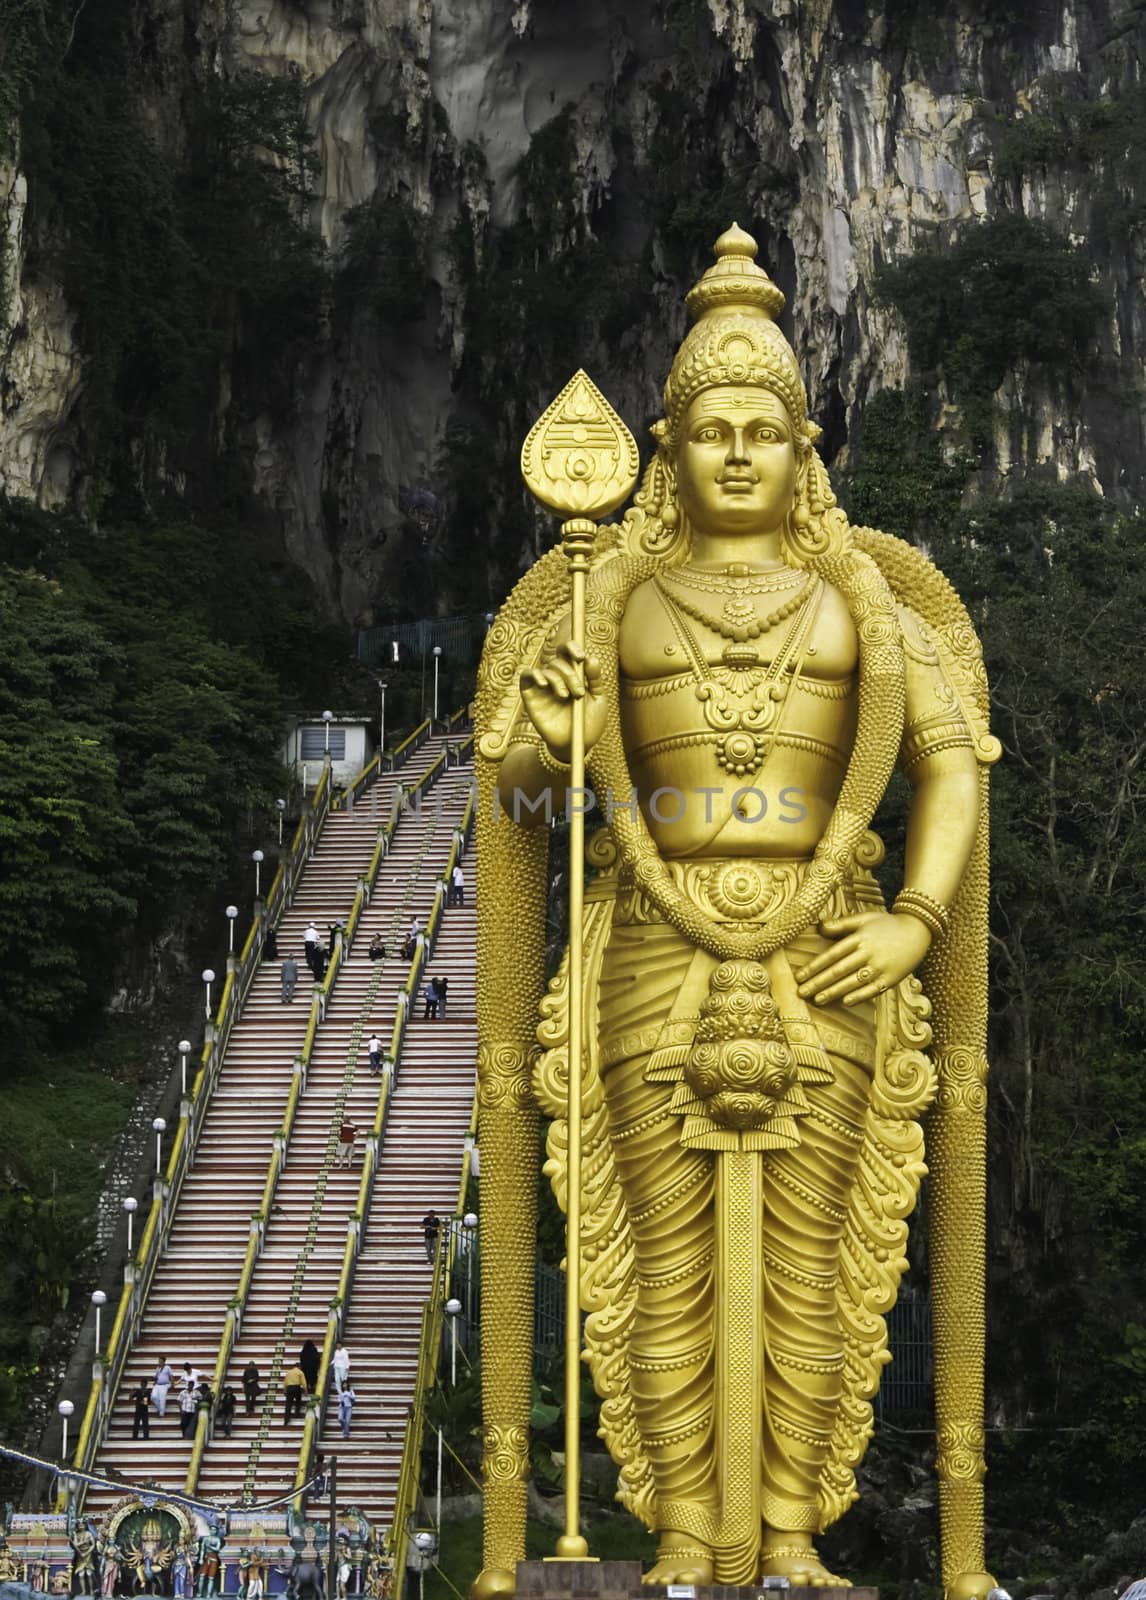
[621,1580]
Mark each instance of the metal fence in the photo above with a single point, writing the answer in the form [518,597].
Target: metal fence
[908,1381]
[459,639]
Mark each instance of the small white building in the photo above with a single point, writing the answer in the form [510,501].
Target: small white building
[346,738]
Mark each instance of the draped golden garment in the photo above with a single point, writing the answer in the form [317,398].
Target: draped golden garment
[652,984]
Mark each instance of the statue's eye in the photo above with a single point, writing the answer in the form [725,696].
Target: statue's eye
[708,436]
[767,435]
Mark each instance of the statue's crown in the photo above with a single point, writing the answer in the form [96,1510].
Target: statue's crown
[734,338]
[734,282]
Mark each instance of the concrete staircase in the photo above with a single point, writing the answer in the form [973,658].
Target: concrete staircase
[297,1271]
[419,1170]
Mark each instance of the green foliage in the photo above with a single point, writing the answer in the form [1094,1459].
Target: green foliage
[903,480]
[57,1121]
[1103,140]
[383,264]
[24,40]
[998,293]
[1055,579]
[61,824]
[138,715]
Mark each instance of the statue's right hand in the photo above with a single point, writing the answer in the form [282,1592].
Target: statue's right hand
[549,692]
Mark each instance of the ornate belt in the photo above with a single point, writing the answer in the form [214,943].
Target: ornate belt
[738,889]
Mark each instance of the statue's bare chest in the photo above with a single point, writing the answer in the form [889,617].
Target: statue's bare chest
[672,629]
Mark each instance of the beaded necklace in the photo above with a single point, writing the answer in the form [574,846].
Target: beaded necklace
[739,622]
[767,581]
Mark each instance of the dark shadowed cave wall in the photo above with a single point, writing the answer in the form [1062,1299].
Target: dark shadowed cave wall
[473,196]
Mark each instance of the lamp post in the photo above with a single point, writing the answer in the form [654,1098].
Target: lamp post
[65,1408]
[425,1544]
[258,858]
[99,1300]
[131,1206]
[231,912]
[184,1048]
[469,1223]
[280,807]
[437,659]
[327,719]
[159,1128]
[381,721]
[208,980]
[453,1311]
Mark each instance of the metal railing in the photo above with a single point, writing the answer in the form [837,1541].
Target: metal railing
[412,741]
[138,1272]
[433,1312]
[232,1322]
[320,998]
[359,1217]
[429,1359]
[391,760]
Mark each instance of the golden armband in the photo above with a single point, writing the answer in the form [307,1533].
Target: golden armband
[928,737]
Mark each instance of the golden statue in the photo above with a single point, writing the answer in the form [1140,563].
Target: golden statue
[745,672]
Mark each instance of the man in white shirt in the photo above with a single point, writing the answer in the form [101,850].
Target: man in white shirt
[374,1048]
[457,886]
[311,944]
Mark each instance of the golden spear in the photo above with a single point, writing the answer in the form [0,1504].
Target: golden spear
[581,461]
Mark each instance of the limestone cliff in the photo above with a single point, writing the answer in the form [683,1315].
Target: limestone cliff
[506,187]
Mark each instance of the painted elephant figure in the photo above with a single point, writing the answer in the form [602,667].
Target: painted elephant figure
[307,1581]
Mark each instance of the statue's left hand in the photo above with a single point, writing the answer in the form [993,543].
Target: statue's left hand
[873,951]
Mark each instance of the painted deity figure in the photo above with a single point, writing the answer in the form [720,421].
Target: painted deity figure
[756,1058]
[210,1566]
[110,1567]
[183,1574]
[9,1565]
[84,1560]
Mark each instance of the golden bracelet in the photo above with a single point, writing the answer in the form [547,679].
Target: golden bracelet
[930,912]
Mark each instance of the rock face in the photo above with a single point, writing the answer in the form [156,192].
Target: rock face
[554,176]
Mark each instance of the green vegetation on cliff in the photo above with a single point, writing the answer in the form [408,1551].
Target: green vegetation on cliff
[139,717]
[1055,579]
[144,672]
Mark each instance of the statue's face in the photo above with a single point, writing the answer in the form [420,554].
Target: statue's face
[736,461]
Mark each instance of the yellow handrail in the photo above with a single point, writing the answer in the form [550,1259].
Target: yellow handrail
[357,781]
[423,727]
[398,1032]
[365,1185]
[429,1346]
[254,1240]
[108,1373]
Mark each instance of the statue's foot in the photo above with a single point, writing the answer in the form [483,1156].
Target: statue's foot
[970,1586]
[493,1583]
[793,1556]
[680,1559]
